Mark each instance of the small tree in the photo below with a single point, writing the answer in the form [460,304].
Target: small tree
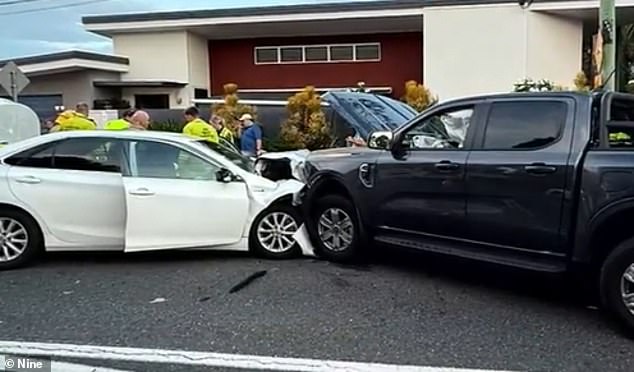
[232,109]
[581,82]
[418,96]
[306,127]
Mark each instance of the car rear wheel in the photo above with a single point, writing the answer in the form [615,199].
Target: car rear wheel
[617,283]
[335,232]
[20,239]
[272,232]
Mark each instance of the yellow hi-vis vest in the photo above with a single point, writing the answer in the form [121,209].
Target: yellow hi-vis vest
[226,134]
[71,120]
[198,128]
[117,124]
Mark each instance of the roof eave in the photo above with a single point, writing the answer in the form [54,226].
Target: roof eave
[109,28]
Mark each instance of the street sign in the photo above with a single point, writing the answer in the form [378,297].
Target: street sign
[13,80]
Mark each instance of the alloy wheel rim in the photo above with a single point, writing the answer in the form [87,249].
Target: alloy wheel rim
[275,232]
[336,229]
[13,239]
[627,288]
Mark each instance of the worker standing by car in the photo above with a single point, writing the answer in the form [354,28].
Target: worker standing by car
[219,124]
[251,138]
[74,120]
[131,120]
[140,120]
[197,127]
[121,124]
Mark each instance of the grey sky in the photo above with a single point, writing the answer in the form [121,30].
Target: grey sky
[60,29]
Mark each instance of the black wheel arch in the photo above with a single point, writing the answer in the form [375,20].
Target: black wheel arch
[329,184]
[609,227]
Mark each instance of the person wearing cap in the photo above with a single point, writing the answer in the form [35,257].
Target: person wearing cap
[198,128]
[251,138]
[219,123]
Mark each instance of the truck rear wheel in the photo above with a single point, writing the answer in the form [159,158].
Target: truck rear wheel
[617,283]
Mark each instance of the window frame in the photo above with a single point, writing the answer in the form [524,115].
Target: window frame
[56,143]
[476,118]
[481,136]
[328,47]
[134,166]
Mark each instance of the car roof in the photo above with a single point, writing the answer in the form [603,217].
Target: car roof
[147,134]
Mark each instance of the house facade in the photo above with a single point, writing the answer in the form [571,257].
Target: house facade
[455,47]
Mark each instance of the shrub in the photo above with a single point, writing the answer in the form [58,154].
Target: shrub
[167,126]
[306,126]
[581,82]
[232,109]
[418,96]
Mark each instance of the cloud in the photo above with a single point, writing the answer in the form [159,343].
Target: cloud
[61,29]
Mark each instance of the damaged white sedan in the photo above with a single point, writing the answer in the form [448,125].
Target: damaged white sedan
[139,191]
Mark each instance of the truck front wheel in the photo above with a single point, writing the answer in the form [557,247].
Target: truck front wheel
[617,283]
[336,229]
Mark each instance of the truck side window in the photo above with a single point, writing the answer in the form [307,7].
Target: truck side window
[524,125]
[444,130]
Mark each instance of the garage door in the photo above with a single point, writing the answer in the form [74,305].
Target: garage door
[42,104]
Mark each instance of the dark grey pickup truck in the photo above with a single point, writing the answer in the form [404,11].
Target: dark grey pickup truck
[540,181]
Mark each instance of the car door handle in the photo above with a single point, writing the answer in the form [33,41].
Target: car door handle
[446,165]
[540,168]
[28,179]
[142,191]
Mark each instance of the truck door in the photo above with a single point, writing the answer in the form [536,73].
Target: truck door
[420,189]
[516,174]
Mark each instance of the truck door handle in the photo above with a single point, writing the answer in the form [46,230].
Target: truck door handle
[540,168]
[141,191]
[446,165]
[28,179]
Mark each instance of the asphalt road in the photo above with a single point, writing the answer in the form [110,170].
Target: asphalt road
[400,308]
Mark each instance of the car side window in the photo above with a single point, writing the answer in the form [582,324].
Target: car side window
[524,125]
[38,157]
[444,130]
[161,160]
[90,154]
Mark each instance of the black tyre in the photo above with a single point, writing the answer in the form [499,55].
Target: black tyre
[20,239]
[272,232]
[617,283]
[335,230]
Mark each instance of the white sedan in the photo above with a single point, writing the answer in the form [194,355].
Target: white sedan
[138,191]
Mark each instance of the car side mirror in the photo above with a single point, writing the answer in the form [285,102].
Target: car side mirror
[380,140]
[224,175]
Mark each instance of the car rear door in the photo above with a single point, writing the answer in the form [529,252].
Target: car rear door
[174,200]
[516,174]
[75,186]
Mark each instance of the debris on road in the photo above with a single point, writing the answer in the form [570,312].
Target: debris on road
[204,299]
[247,281]
[66,293]
[158,300]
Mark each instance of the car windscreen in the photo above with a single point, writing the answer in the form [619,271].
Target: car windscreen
[231,153]
[369,112]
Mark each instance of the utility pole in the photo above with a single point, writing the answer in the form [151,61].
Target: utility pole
[607,27]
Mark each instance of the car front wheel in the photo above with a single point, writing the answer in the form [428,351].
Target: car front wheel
[617,283]
[335,232]
[20,239]
[272,232]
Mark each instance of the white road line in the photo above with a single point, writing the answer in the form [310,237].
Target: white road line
[72,367]
[207,359]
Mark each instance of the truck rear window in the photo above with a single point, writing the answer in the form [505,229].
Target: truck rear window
[620,127]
